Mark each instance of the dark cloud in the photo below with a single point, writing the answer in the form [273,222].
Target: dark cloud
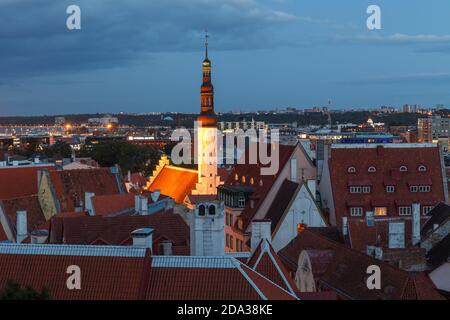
[35,41]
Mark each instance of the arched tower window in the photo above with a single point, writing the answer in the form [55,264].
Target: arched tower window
[212,210]
[201,210]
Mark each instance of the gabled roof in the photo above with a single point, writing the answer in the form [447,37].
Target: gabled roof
[262,184]
[281,202]
[387,159]
[116,230]
[265,261]
[19,182]
[209,278]
[346,272]
[71,185]
[175,182]
[30,204]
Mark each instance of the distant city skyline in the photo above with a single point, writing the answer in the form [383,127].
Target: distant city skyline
[145,56]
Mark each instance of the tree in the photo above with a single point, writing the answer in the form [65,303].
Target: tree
[14,291]
[128,156]
[62,149]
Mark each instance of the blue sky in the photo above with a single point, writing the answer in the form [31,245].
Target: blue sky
[145,55]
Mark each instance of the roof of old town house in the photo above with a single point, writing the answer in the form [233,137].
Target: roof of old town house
[117,230]
[19,182]
[175,182]
[387,160]
[112,204]
[110,272]
[71,185]
[265,261]
[346,272]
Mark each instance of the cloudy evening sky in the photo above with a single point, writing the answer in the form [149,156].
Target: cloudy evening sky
[145,55]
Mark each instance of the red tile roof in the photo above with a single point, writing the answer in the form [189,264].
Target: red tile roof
[19,182]
[265,261]
[346,272]
[387,160]
[117,230]
[30,204]
[175,182]
[110,204]
[71,185]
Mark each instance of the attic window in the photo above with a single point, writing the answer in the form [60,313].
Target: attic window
[403,169]
[422,168]
[243,179]
[372,169]
[252,181]
[236,177]
[351,170]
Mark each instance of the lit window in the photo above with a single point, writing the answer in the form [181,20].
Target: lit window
[422,168]
[413,188]
[403,169]
[356,212]
[252,181]
[243,179]
[260,183]
[404,211]
[380,211]
[372,169]
[390,189]
[236,177]
[351,170]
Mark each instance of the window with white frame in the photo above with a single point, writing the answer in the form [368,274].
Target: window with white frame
[403,169]
[404,211]
[355,189]
[390,189]
[366,189]
[422,168]
[351,170]
[424,188]
[426,209]
[372,169]
[241,202]
[356,211]
[413,188]
[380,211]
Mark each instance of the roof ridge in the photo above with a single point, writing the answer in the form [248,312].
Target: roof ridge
[249,280]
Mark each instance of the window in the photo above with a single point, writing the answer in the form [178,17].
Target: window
[426,209]
[243,179]
[372,169]
[201,210]
[227,240]
[404,211]
[356,212]
[351,170]
[403,169]
[231,242]
[390,189]
[355,189]
[424,189]
[241,202]
[212,210]
[252,181]
[366,189]
[413,188]
[422,168]
[236,177]
[380,211]
[260,183]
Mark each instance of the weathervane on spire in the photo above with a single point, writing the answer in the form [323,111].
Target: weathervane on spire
[206,42]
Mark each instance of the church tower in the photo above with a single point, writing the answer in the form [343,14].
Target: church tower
[208,179]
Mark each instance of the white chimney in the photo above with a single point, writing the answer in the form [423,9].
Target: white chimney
[142,238]
[88,203]
[415,223]
[129,176]
[294,170]
[37,160]
[344,226]
[141,205]
[167,247]
[21,226]
[312,187]
[261,229]
[39,236]
[155,195]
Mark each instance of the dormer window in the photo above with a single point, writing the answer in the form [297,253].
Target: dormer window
[422,168]
[243,179]
[252,181]
[236,177]
[351,170]
[372,169]
[403,169]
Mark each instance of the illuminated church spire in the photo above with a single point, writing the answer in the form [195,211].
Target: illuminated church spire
[207,89]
